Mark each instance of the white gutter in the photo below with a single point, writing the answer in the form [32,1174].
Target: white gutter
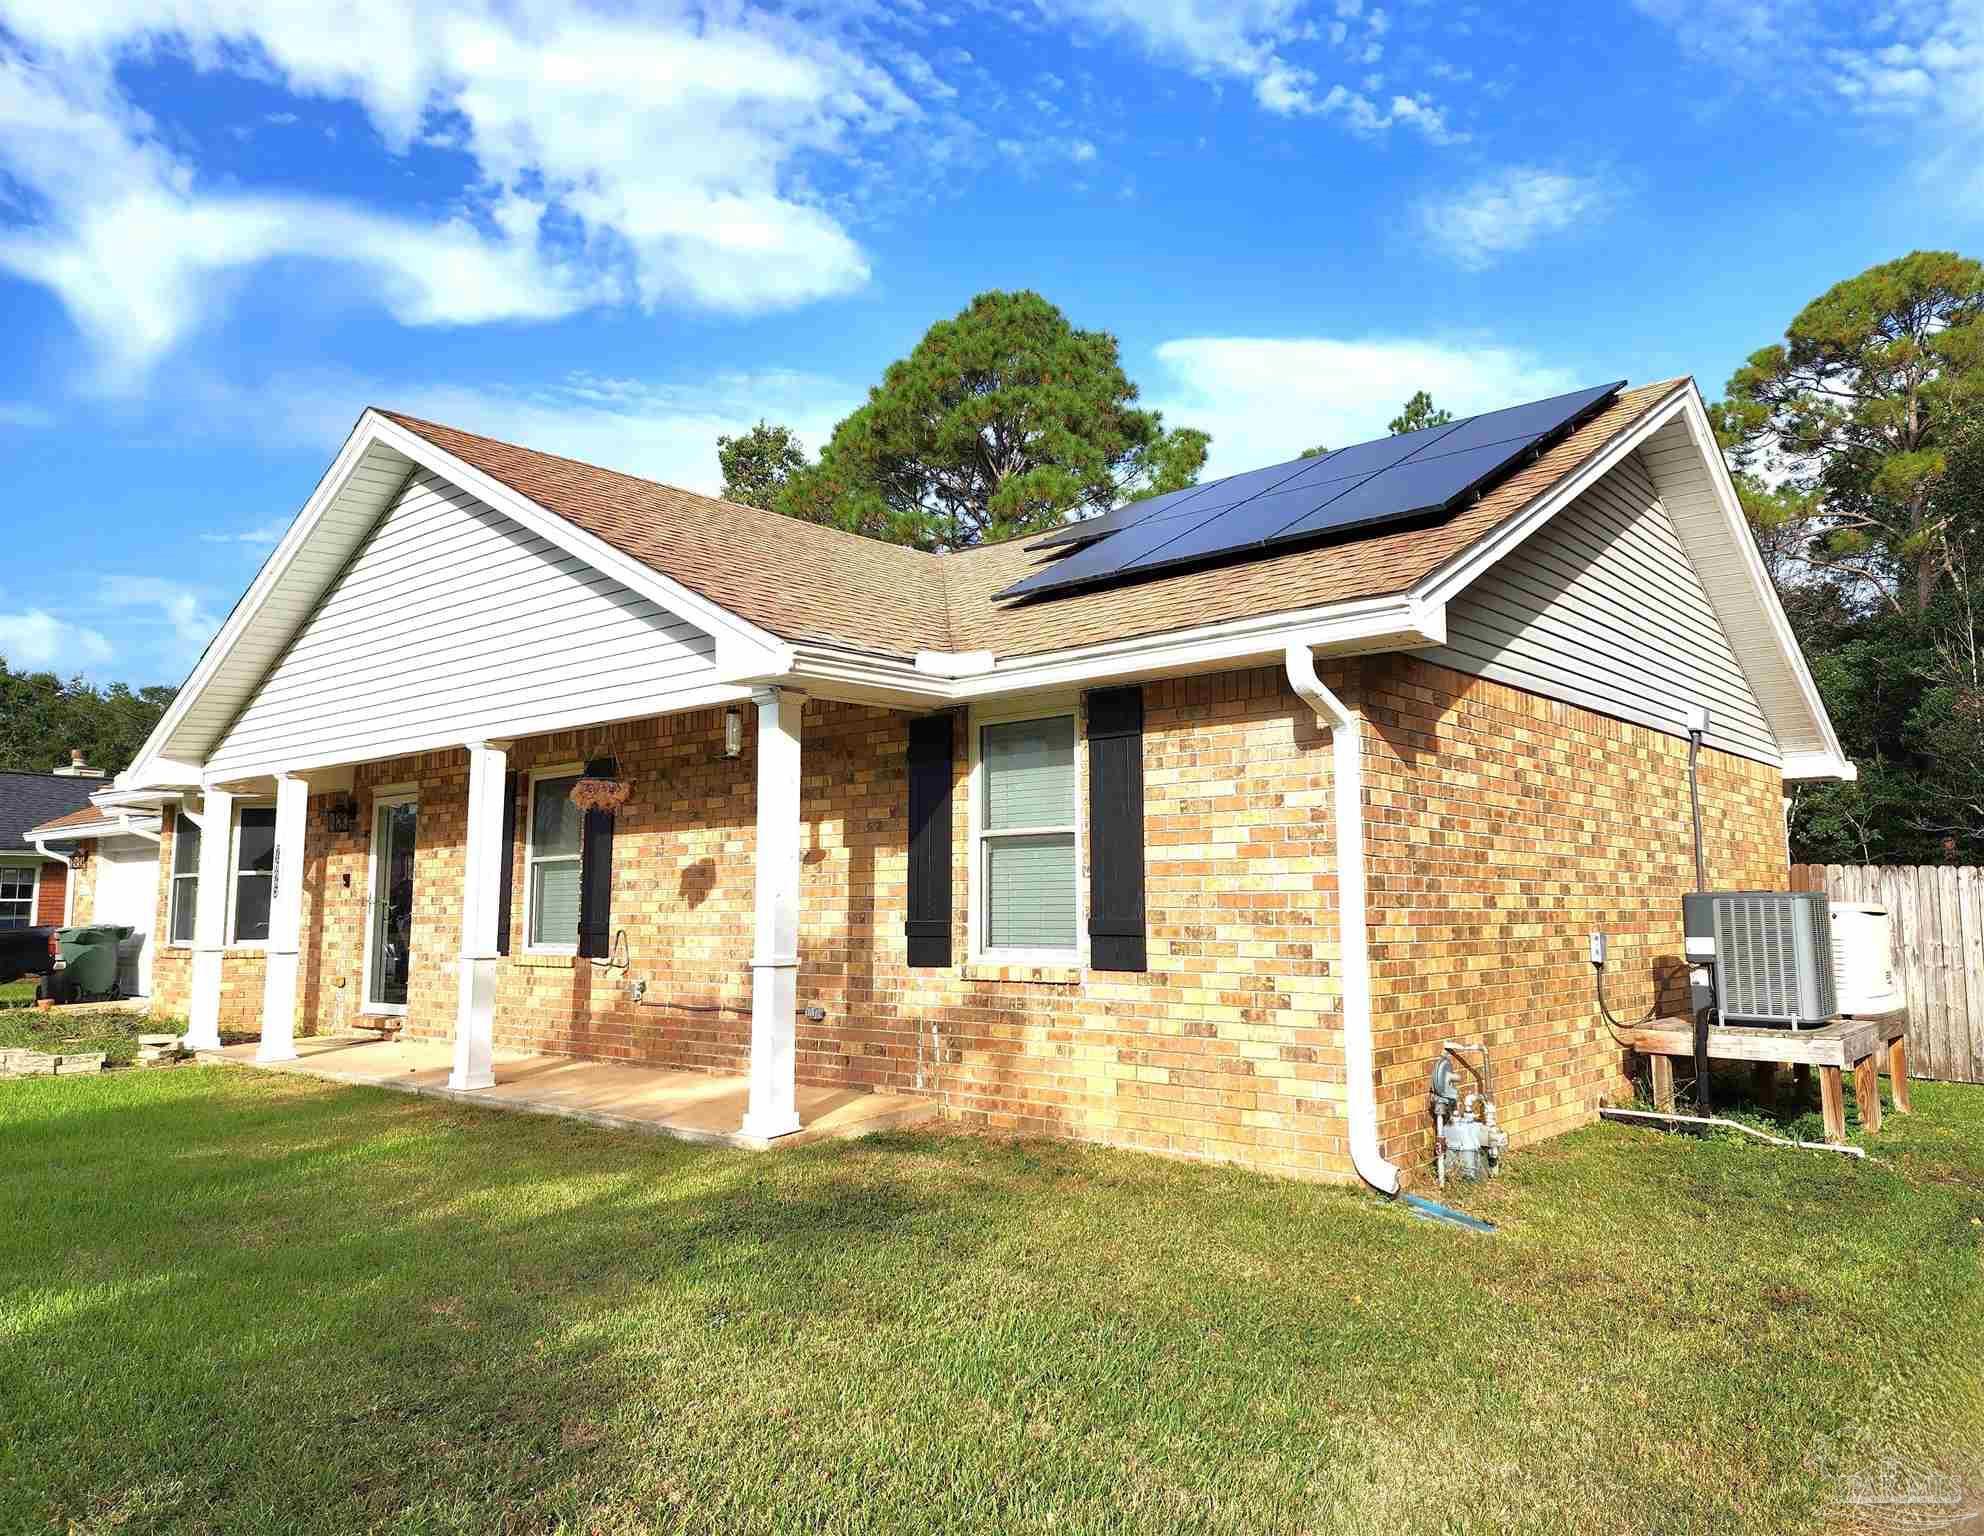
[1346,730]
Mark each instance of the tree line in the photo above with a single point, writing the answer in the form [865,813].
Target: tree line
[44,717]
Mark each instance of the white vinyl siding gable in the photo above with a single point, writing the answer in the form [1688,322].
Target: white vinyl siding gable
[453,621]
[1600,607]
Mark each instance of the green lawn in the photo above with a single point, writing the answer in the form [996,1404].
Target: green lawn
[18,993]
[62,1031]
[233,1302]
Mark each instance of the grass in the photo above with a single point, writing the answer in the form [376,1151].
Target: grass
[59,1030]
[18,993]
[233,1302]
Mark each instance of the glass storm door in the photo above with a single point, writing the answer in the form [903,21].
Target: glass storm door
[393,827]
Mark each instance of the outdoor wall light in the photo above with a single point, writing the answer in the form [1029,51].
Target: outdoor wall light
[733,732]
[341,816]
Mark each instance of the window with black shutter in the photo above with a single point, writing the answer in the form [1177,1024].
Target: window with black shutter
[1116,829]
[928,928]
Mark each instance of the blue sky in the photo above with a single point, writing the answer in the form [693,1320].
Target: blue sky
[616,231]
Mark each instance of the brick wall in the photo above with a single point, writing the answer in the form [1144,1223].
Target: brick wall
[1502,826]
[51,892]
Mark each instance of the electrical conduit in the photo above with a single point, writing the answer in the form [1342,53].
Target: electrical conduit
[1346,730]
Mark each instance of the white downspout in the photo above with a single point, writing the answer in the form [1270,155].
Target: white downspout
[1346,730]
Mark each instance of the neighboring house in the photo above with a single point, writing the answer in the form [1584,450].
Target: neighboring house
[35,879]
[1209,861]
[113,878]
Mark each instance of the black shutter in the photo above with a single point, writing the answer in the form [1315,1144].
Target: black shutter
[509,875]
[1116,830]
[929,925]
[596,872]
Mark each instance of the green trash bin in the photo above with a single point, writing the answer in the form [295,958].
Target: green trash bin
[86,961]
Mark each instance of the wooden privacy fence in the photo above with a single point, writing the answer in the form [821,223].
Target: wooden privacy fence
[1936,917]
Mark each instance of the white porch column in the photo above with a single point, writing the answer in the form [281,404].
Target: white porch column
[210,919]
[482,872]
[285,922]
[773,1108]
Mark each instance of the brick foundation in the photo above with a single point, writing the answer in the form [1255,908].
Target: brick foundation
[1502,827]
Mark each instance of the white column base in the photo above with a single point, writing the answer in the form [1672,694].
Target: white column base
[203,1006]
[279,1008]
[774,1109]
[475,1024]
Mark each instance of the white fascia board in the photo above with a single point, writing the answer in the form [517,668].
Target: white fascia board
[1398,622]
[311,766]
[1818,765]
[1703,436]
[743,649]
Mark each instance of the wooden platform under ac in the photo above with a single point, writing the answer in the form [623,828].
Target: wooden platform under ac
[1865,1045]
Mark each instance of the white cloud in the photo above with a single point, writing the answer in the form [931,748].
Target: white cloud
[1253,41]
[264,535]
[176,615]
[656,157]
[1508,211]
[1265,399]
[663,432]
[38,639]
[1921,60]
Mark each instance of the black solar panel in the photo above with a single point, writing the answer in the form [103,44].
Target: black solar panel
[1118,518]
[1420,474]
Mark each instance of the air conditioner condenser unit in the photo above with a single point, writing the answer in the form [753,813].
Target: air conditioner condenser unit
[1770,955]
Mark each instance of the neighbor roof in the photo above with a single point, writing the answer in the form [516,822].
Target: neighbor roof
[29,800]
[89,817]
[806,583]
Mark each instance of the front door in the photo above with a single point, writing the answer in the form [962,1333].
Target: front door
[389,953]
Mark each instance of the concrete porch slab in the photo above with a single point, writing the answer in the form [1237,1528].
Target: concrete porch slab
[691,1106]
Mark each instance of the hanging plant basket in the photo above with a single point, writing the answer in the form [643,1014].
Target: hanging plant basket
[603,795]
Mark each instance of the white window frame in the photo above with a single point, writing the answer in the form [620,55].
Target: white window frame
[380,804]
[1009,712]
[181,820]
[554,771]
[32,874]
[234,872]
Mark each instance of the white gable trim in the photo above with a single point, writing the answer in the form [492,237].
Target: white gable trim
[271,610]
[1726,559]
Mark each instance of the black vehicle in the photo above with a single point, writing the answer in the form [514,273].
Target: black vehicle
[26,952]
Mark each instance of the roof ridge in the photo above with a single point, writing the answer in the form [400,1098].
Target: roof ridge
[408,419]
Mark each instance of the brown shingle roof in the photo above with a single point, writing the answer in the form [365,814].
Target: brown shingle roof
[89,815]
[808,583]
[798,580]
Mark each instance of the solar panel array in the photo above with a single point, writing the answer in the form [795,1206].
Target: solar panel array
[1414,474]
